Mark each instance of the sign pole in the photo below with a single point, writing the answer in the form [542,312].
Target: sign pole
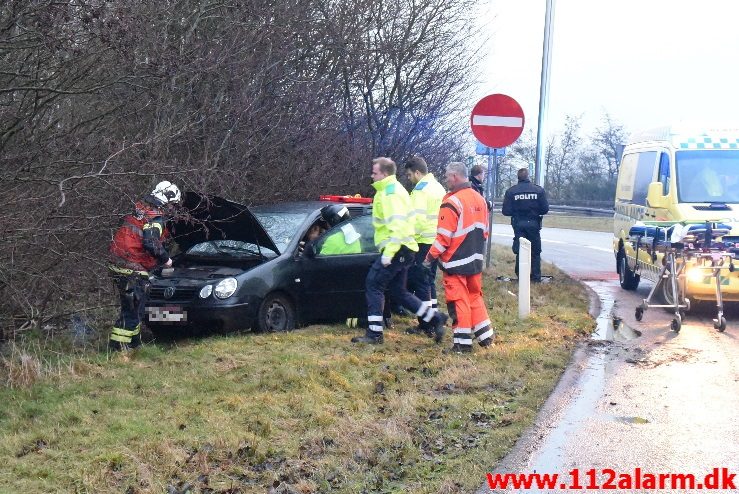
[490,194]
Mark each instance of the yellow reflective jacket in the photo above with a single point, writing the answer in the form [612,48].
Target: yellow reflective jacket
[426,199]
[338,243]
[391,217]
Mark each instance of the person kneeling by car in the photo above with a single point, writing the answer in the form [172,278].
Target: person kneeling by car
[137,247]
[346,239]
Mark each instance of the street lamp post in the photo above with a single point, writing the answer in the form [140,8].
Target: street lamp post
[546,58]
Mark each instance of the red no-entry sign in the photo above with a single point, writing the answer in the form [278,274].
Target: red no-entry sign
[497,120]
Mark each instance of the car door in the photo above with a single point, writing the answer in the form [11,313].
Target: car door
[333,279]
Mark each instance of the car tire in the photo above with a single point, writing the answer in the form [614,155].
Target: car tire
[276,313]
[628,279]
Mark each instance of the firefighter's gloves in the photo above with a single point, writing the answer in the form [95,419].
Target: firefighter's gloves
[385,260]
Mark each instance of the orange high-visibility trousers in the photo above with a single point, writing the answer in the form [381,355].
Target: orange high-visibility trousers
[467,308]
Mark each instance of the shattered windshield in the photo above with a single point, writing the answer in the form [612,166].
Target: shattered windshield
[226,248]
[281,226]
[708,176]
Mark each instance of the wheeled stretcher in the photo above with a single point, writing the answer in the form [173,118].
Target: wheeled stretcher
[703,250]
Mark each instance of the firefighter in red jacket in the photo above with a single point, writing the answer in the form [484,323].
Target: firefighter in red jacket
[458,247]
[136,249]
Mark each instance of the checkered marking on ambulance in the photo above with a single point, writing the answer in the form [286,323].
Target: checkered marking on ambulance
[704,142]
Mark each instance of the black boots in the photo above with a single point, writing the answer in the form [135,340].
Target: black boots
[457,348]
[428,331]
[367,338]
[437,323]
[435,330]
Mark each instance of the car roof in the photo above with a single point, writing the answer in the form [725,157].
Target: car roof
[306,207]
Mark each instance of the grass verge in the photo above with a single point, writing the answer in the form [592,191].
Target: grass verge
[304,412]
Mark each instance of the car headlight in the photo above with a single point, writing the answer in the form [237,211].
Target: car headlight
[225,288]
[206,291]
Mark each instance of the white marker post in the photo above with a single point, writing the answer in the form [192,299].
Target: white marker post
[524,278]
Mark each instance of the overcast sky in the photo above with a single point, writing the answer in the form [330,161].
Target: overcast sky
[646,62]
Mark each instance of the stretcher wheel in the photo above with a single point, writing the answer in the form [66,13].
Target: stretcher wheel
[720,324]
[676,324]
[731,267]
[638,313]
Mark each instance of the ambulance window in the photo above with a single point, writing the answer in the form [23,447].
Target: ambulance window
[644,176]
[625,187]
[664,172]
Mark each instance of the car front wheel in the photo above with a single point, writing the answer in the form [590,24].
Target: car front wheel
[276,313]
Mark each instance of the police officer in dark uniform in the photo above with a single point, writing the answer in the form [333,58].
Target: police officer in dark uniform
[526,203]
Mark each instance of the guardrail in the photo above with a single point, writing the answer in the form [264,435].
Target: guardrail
[581,210]
[578,210]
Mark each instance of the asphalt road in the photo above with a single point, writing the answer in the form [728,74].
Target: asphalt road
[637,395]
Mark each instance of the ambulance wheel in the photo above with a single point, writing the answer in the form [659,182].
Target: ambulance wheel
[668,298]
[676,324]
[638,313]
[720,324]
[628,279]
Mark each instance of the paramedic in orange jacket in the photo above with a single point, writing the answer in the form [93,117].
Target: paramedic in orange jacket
[458,247]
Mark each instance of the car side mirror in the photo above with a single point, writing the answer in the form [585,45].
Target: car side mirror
[655,199]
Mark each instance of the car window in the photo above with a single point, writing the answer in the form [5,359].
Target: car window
[352,237]
[224,248]
[281,226]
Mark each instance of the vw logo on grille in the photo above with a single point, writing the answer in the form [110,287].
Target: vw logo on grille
[169,292]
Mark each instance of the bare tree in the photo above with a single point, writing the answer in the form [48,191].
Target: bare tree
[561,158]
[254,100]
[607,138]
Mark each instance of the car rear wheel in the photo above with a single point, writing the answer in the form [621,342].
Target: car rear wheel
[276,313]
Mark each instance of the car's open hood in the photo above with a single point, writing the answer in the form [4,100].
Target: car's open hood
[215,218]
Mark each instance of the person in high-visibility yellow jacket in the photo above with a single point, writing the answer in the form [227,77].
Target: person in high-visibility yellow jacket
[344,241]
[426,199]
[395,239]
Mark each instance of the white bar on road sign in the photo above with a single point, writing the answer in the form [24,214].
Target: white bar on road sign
[495,121]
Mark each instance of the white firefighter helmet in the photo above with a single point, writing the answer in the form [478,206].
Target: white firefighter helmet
[167,192]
